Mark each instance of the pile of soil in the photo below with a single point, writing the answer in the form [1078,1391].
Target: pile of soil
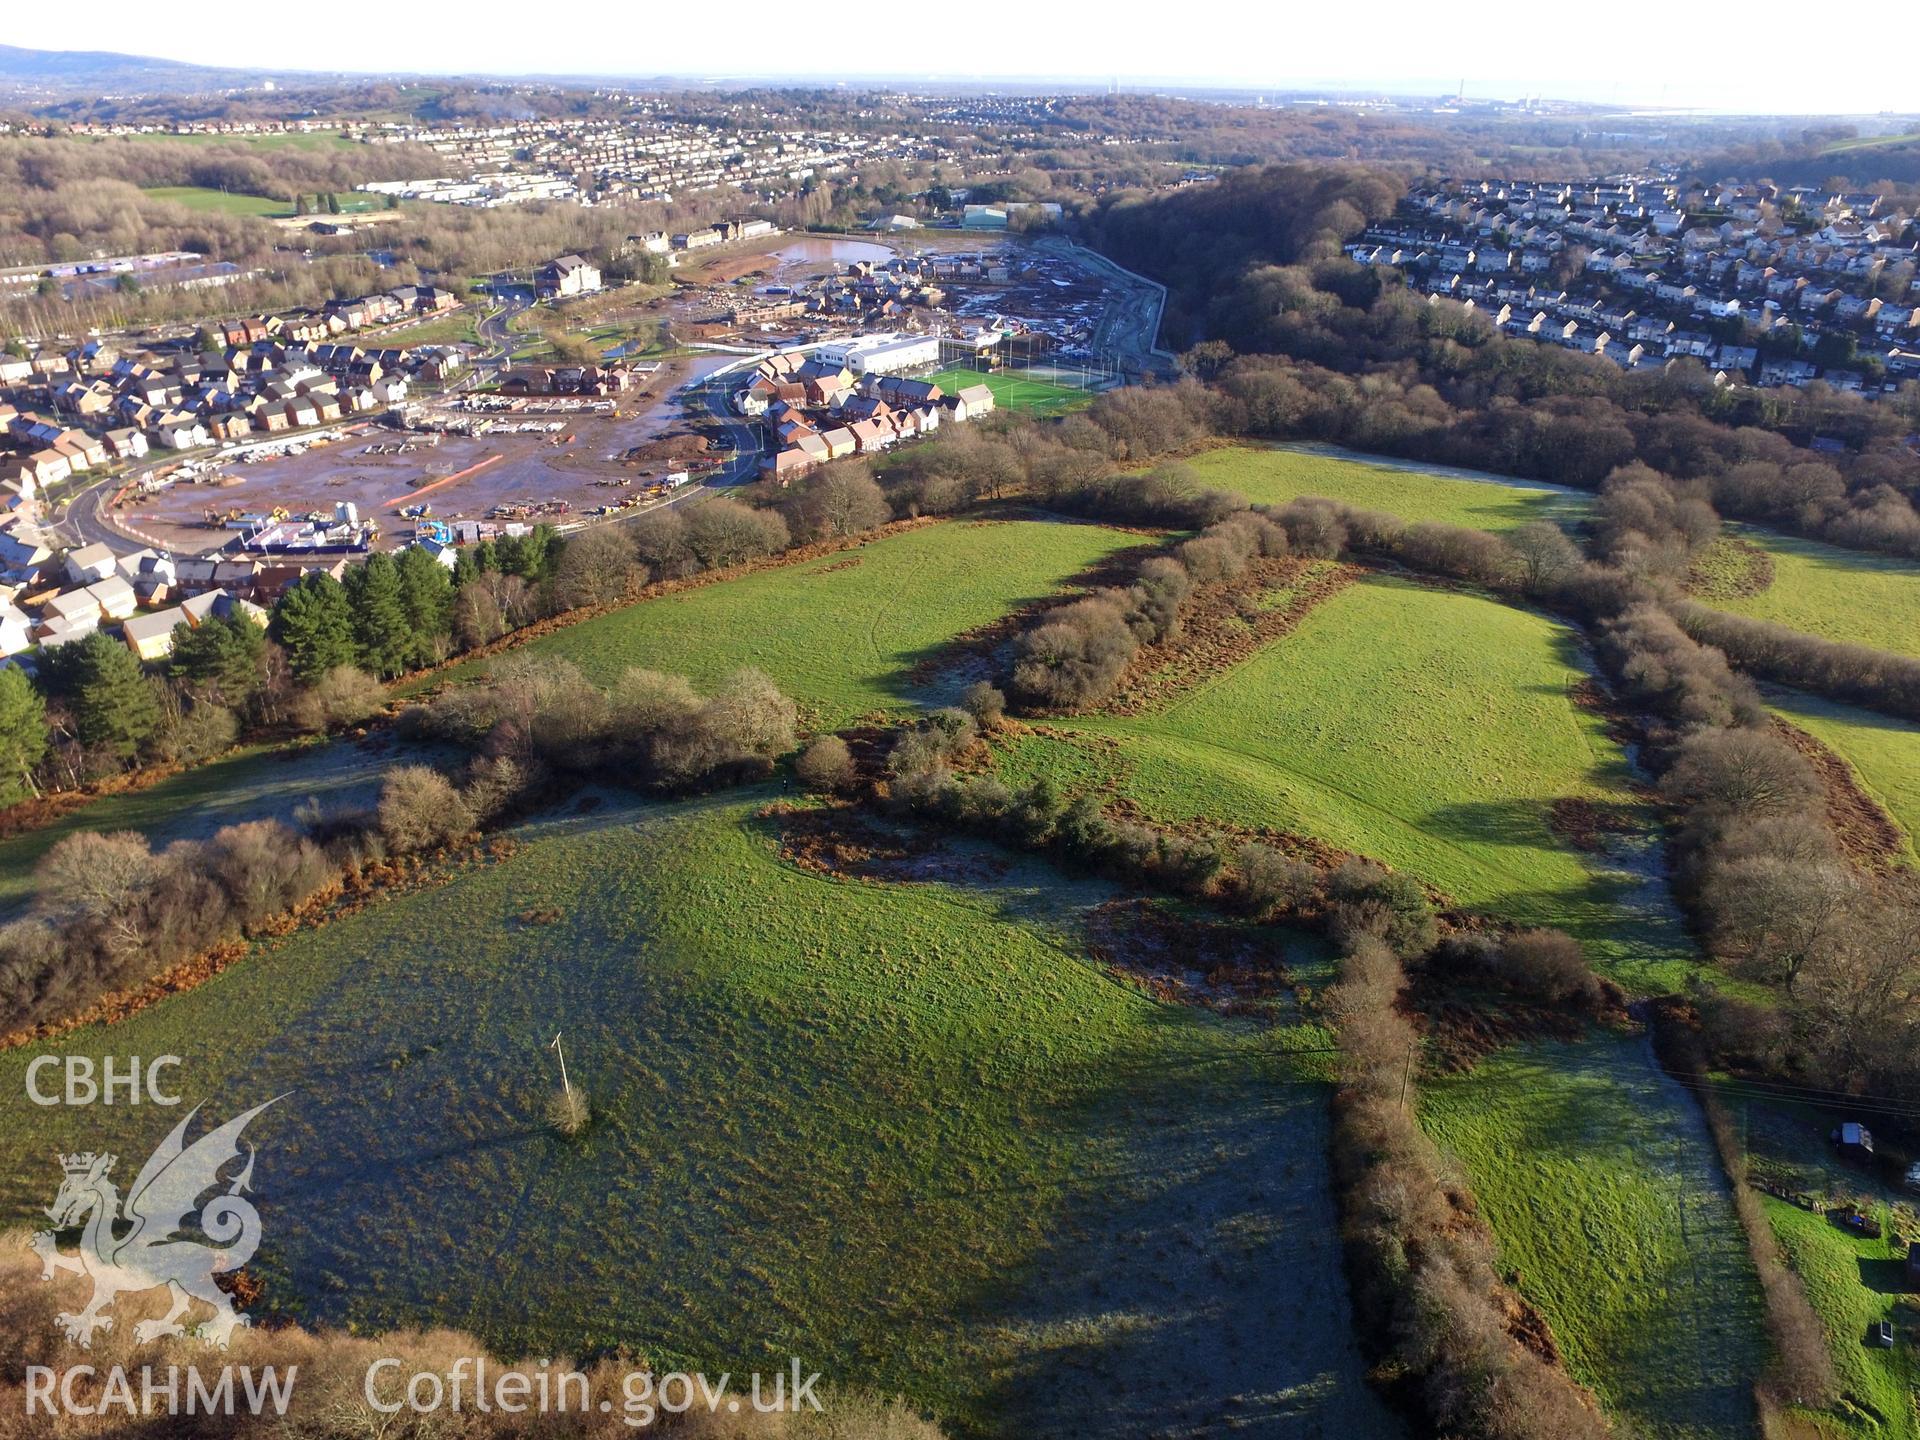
[675,448]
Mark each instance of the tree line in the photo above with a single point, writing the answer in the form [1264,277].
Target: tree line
[110,913]
[1255,269]
[1427,1288]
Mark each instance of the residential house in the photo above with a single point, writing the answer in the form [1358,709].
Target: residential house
[72,610]
[16,631]
[972,402]
[89,563]
[150,636]
[114,596]
[567,276]
[125,443]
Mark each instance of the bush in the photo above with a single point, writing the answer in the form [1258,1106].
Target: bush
[1660,665]
[725,532]
[826,766]
[477,618]
[265,869]
[1369,901]
[1075,656]
[1543,965]
[1315,527]
[420,810]
[342,697]
[1858,674]
[495,784]
[568,1111]
[985,704]
[196,731]
[1743,774]
[1264,880]
[598,566]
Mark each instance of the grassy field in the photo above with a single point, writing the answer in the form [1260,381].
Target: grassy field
[1884,753]
[906,1132]
[250,784]
[1852,1283]
[1430,729]
[454,329]
[1845,595]
[1273,475]
[841,634]
[233,202]
[225,202]
[319,140]
[1013,391]
[1848,595]
[1595,1173]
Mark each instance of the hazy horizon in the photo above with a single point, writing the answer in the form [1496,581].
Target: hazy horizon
[1696,63]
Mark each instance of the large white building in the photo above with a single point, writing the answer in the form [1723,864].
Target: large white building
[884,354]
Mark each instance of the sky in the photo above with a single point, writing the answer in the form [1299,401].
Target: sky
[1691,58]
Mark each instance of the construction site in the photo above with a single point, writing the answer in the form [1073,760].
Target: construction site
[502,453]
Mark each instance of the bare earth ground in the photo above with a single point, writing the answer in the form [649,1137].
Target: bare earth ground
[530,470]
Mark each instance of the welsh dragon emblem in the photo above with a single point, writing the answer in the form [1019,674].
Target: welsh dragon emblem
[133,1247]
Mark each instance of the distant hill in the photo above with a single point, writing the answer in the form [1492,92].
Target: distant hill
[65,72]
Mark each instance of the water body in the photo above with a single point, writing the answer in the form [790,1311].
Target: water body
[816,250]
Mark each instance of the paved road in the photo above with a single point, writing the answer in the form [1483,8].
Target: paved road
[494,331]
[1129,332]
[78,521]
[709,394]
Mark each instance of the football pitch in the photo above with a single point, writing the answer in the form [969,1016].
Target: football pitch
[1015,392]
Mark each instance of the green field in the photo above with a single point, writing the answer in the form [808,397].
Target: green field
[905,1131]
[225,202]
[1429,729]
[1273,475]
[319,140]
[841,634]
[1826,590]
[454,329]
[229,202]
[1851,1283]
[1596,1174]
[1884,753]
[1013,391]
[1847,595]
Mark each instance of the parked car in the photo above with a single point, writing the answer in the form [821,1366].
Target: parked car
[1913,1178]
[1882,1335]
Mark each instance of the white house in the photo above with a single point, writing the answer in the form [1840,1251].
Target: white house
[89,563]
[16,631]
[115,597]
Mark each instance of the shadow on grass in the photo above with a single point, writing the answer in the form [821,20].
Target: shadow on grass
[1885,1277]
[1197,1288]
